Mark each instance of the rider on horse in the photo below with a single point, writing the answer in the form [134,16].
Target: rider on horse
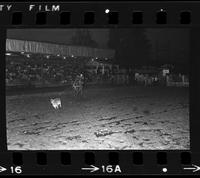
[78,85]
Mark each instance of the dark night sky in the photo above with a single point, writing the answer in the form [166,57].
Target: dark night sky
[57,35]
[171,43]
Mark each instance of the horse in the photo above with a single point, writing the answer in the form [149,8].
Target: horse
[77,86]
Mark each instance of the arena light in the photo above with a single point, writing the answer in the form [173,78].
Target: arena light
[28,55]
[107,11]
[8,54]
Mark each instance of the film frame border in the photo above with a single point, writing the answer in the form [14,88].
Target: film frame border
[133,161]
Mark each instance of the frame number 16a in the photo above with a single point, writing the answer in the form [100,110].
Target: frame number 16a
[111,169]
[103,168]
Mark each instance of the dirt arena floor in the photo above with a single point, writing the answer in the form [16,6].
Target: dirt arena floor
[111,118]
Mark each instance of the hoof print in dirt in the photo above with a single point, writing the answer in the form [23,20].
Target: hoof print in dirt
[146,112]
[130,131]
[135,109]
[102,133]
[31,133]
[19,144]
[76,137]
[36,116]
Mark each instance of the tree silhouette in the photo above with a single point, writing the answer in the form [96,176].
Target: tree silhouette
[132,48]
[82,37]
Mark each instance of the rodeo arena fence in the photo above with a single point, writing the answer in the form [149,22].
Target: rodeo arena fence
[41,64]
[182,81]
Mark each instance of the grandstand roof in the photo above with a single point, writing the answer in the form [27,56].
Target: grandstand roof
[13,45]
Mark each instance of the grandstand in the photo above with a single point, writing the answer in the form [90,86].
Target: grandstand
[40,64]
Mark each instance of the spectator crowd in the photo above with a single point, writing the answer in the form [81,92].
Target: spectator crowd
[48,72]
[29,72]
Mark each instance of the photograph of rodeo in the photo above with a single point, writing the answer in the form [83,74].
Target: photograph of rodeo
[97,89]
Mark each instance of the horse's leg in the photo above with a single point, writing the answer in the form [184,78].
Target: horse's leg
[74,91]
[82,91]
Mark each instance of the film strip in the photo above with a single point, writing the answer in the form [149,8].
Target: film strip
[42,16]
[96,88]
